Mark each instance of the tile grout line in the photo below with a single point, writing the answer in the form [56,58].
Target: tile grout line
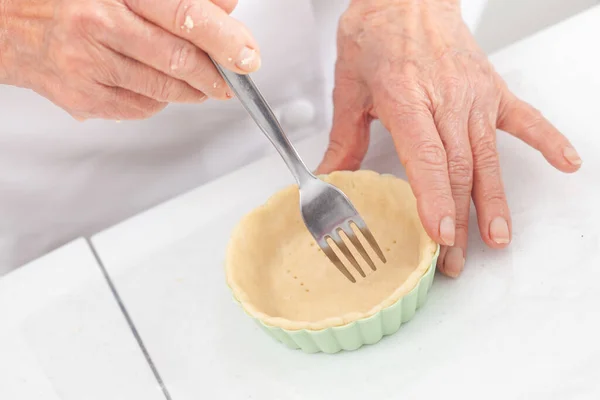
[129,321]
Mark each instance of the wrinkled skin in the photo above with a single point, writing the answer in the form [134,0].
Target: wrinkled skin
[122,59]
[415,66]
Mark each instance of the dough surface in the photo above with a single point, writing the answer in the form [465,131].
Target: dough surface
[281,277]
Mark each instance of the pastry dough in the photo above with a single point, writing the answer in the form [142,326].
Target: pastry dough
[281,277]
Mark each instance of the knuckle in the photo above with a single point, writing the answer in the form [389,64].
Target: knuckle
[487,173]
[164,90]
[407,119]
[411,114]
[449,117]
[67,57]
[460,169]
[410,69]
[462,225]
[410,110]
[481,122]
[493,197]
[403,89]
[108,72]
[426,170]
[181,61]
[428,154]
[453,88]
[82,18]
[482,78]
[485,155]
[410,88]
[488,90]
[109,75]
[160,88]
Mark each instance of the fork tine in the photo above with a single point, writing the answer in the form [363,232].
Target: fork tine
[335,260]
[356,242]
[337,238]
[360,224]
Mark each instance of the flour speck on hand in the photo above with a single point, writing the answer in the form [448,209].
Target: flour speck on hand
[188,24]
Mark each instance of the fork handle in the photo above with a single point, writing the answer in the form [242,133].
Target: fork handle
[258,108]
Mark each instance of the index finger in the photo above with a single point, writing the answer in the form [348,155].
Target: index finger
[207,26]
[421,151]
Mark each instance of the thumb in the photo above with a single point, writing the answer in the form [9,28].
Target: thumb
[349,137]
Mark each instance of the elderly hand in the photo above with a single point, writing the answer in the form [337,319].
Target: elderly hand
[414,65]
[122,59]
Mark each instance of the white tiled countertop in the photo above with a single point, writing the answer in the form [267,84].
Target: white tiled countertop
[62,336]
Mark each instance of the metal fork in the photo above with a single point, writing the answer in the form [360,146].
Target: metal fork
[325,209]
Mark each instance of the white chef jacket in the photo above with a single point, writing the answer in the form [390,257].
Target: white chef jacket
[61,179]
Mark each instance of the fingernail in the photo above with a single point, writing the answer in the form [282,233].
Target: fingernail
[499,231]
[572,156]
[248,60]
[447,231]
[454,263]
